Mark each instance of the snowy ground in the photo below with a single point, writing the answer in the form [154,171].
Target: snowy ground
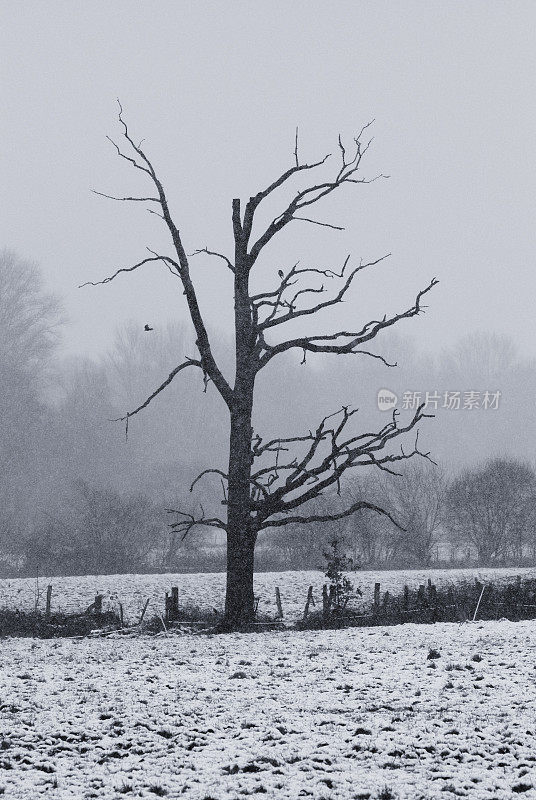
[207,590]
[360,713]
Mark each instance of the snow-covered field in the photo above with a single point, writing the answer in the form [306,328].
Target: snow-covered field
[360,713]
[207,590]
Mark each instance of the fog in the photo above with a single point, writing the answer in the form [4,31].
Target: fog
[62,414]
[216,92]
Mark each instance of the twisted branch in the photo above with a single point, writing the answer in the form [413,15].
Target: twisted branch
[190,521]
[141,161]
[318,343]
[307,480]
[306,519]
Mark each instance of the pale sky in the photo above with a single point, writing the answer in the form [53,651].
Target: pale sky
[216,89]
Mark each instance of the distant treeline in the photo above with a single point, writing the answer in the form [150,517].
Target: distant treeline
[78,496]
[483,516]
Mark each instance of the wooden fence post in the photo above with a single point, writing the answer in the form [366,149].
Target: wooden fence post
[325,601]
[421,595]
[332,600]
[143,612]
[310,599]
[376,598]
[121,613]
[98,604]
[49,597]
[479,599]
[518,597]
[174,602]
[433,601]
[278,602]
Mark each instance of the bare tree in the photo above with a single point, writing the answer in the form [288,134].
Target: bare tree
[95,531]
[486,506]
[416,499]
[265,483]
[369,533]
[483,357]
[526,529]
[30,317]
[30,321]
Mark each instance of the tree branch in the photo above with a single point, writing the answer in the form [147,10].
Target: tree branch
[208,472]
[275,445]
[190,521]
[123,199]
[305,197]
[209,364]
[276,523]
[190,362]
[272,320]
[119,271]
[212,253]
[123,155]
[340,453]
[318,344]
[323,224]
[255,201]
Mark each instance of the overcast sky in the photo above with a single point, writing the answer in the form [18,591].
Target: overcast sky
[216,89]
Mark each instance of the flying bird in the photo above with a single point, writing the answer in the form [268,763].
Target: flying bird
[148,328]
[281,273]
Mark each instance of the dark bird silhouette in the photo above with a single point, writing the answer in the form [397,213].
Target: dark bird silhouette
[281,273]
[148,328]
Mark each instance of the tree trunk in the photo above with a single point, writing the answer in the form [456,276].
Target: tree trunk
[239,601]
[241,536]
